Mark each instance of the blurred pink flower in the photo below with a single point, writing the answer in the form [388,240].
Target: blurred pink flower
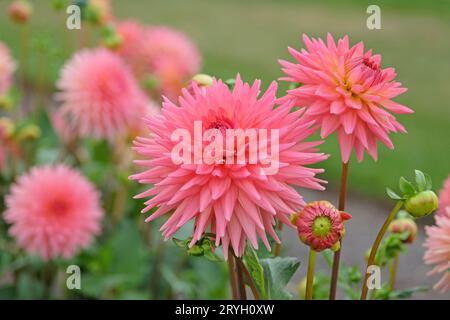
[7,68]
[164,55]
[320,225]
[235,201]
[101,11]
[100,94]
[53,211]
[346,90]
[444,197]
[20,11]
[438,250]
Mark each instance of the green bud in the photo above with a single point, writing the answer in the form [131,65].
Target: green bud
[7,127]
[29,132]
[203,80]
[422,204]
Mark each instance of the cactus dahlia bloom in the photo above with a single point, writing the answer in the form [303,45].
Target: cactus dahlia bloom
[320,225]
[345,90]
[7,67]
[444,197]
[234,200]
[53,211]
[99,94]
[438,250]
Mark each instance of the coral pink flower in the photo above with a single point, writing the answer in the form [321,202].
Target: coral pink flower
[236,202]
[162,54]
[7,67]
[444,197]
[20,11]
[438,250]
[320,225]
[53,211]
[346,90]
[100,94]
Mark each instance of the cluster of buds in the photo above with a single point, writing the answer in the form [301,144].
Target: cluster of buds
[320,225]
[98,12]
[111,39]
[20,11]
[420,200]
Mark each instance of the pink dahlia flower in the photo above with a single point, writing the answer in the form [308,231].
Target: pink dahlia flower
[162,54]
[100,94]
[320,225]
[345,90]
[53,211]
[438,250]
[235,200]
[444,198]
[7,67]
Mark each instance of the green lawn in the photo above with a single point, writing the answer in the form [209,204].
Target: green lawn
[249,36]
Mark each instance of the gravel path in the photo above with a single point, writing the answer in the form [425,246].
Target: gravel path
[368,216]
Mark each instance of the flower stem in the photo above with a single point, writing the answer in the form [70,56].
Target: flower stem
[240,280]
[376,244]
[232,273]
[277,250]
[250,280]
[393,272]
[337,254]
[310,276]
[24,42]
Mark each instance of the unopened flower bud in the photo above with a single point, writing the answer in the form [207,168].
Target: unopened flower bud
[402,225]
[20,11]
[29,132]
[422,204]
[320,225]
[203,80]
[6,127]
[58,4]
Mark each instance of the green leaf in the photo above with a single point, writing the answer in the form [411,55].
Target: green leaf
[392,194]
[230,83]
[278,271]
[195,250]
[180,243]
[256,270]
[421,180]
[406,187]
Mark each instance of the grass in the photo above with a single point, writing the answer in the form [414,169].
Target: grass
[249,36]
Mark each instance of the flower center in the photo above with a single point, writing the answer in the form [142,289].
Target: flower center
[321,226]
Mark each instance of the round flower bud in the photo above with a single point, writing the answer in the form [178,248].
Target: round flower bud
[20,11]
[203,80]
[29,132]
[6,127]
[320,225]
[402,225]
[422,204]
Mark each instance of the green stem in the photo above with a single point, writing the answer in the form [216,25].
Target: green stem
[337,254]
[376,244]
[310,276]
[393,272]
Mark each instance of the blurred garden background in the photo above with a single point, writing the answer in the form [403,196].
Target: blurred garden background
[246,37]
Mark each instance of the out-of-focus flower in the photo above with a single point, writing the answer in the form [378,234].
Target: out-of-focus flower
[234,200]
[100,94]
[320,225]
[20,11]
[99,12]
[402,225]
[444,197]
[7,67]
[28,132]
[6,130]
[160,53]
[345,90]
[438,250]
[53,211]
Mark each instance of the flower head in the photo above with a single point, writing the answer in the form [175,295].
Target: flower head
[234,200]
[164,55]
[53,211]
[320,225]
[438,250]
[7,67]
[99,12]
[20,11]
[346,90]
[99,94]
[444,197]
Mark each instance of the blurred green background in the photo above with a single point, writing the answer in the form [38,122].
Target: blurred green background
[249,36]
